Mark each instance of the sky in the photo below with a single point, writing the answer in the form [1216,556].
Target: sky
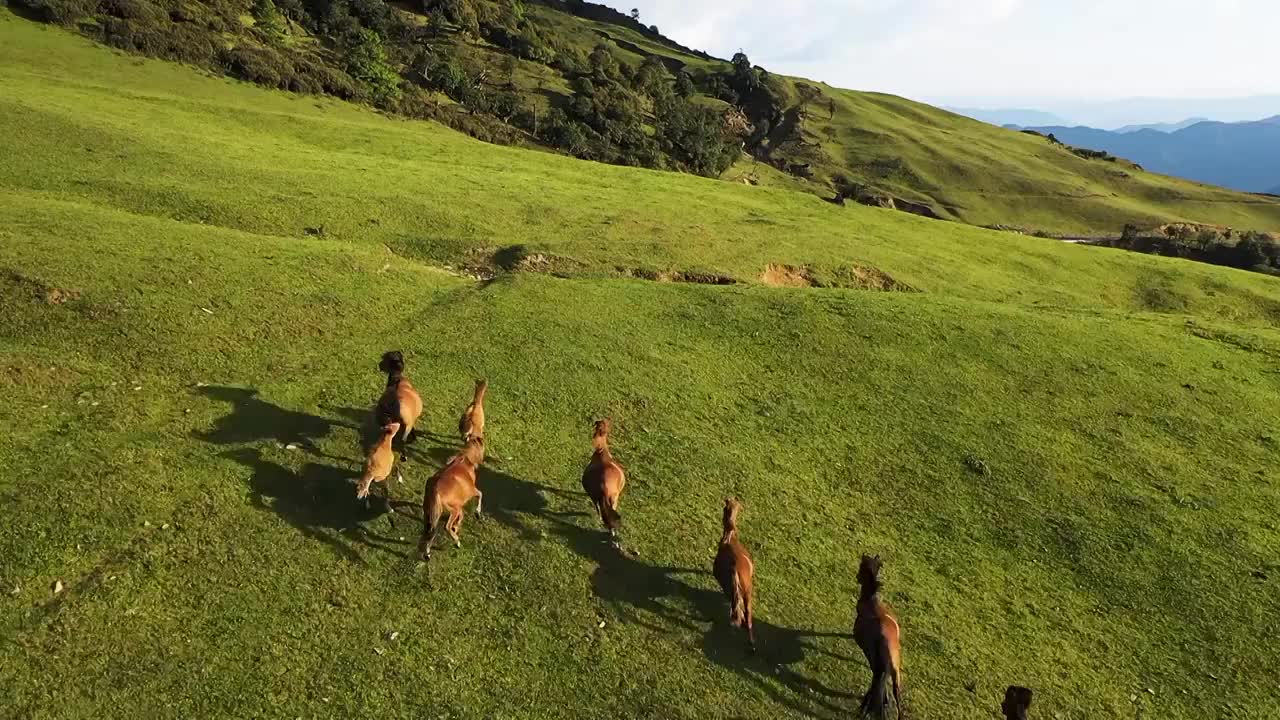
[994,53]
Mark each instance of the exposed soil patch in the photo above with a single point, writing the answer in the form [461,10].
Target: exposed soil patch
[486,263]
[16,286]
[866,277]
[701,277]
[776,275]
[858,277]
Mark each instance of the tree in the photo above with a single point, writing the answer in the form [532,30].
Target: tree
[267,18]
[745,78]
[509,67]
[684,85]
[367,62]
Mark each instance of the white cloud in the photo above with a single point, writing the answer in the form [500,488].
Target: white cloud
[1010,49]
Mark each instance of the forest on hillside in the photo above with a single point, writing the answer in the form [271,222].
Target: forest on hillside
[480,66]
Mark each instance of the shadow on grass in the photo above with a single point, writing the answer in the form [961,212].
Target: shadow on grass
[253,419]
[319,500]
[362,420]
[634,588]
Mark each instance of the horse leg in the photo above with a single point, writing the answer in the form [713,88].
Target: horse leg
[405,430]
[479,503]
[454,525]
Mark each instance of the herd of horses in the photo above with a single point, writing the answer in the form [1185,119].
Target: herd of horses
[875,628]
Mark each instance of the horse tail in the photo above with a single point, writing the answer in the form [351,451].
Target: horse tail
[876,702]
[432,509]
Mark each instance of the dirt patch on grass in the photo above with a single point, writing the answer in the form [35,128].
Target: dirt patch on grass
[15,286]
[23,296]
[775,275]
[487,263]
[700,277]
[855,277]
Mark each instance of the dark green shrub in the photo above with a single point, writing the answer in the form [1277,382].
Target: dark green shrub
[169,41]
[63,12]
[259,65]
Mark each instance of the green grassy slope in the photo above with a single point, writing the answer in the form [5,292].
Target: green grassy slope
[963,169]
[1124,406]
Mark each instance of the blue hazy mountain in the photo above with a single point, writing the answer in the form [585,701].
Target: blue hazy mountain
[1238,155]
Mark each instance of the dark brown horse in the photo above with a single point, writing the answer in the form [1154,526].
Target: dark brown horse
[471,424]
[735,572]
[399,403]
[603,479]
[1017,701]
[450,489]
[876,631]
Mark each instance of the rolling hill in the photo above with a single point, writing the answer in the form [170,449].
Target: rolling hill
[589,81]
[1066,455]
[1244,156]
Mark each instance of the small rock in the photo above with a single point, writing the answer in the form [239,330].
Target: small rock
[601,624]
[44,407]
[1133,697]
[164,526]
[1150,691]
[395,634]
[146,523]
[200,384]
[291,446]
[380,651]
[93,404]
[16,590]
[57,587]
[207,311]
[137,388]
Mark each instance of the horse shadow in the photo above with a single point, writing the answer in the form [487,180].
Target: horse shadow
[319,501]
[635,589]
[253,419]
[362,420]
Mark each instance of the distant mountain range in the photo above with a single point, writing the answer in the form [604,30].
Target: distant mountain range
[1242,155]
[1159,127]
[1117,114]
[1011,116]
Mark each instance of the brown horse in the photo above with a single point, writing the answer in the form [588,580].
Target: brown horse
[378,464]
[603,479]
[471,424]
[1017,701]
[735,572]
[450,489]
[876,631]
[399,403]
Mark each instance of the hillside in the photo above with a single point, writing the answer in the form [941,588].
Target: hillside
[1244,156]
[1065,454]
[588,81]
